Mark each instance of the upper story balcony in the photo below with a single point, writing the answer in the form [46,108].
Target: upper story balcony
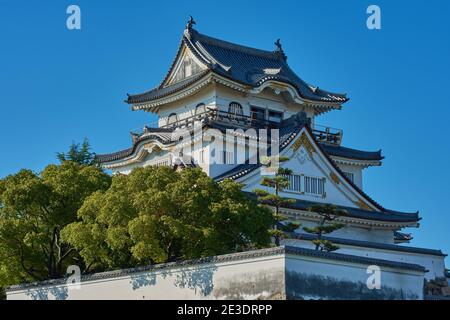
[255,120]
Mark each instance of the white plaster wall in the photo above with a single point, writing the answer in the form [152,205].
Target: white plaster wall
[312,167]
[185,108]
[408,281]
[357,173]
[265,100]
[206,281]
[254,277]
[434,264]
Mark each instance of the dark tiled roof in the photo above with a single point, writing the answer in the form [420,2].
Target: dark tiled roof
[290,128]
[374,245]
[387,215]
[348,153]
[157,134]
[400,236]
[354,259]
[158,93]
[337,151]
[227,258]
[239,63]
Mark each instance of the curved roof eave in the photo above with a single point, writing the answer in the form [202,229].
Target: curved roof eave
[248,71]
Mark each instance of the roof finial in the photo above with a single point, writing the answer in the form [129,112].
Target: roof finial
[279,49]
[190,23]
[278,45]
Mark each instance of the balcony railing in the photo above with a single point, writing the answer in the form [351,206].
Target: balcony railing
[254,120]
[328,135]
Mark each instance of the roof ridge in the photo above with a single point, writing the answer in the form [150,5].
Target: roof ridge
[232,45]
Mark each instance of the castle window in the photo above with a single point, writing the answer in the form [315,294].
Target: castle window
[350,176]
[173,118]
[257,113]
[202,156]
[200,109]
[306,185]
[227,157]
[294,182]
[314,186]
[275,116]
[235,108]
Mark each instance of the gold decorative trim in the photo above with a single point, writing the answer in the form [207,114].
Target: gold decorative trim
[304,141]
[362,205]
[335,178]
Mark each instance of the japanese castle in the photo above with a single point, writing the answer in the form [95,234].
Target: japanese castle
[229,88]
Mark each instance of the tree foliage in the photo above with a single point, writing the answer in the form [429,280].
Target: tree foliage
[79,153]
[328,213]
[278,182]
[33,210]
[157,215]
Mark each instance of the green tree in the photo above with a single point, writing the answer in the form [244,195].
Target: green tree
[156,215]
[278,182]
[79,153]
[33,210]
[328,213]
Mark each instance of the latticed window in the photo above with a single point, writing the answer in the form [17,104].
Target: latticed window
[295,182]
[350,176]
[314,186]
[235,108]
[305,185]
[227,157]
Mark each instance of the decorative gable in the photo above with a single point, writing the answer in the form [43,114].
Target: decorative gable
[314,177]
[186,66]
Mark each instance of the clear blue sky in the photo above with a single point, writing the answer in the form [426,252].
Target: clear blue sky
[59,86]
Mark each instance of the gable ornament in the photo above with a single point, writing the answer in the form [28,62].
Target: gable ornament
[334,178]
[304,141]
[361,204]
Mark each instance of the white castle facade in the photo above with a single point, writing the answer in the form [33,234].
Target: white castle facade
[222,99]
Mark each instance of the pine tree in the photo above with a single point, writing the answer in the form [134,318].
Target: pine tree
[328,214]
[278,182]
[79,153]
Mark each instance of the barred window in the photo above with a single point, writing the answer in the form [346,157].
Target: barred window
[350,176]
[235,108]
[306,185]
[227,157]
[294,182]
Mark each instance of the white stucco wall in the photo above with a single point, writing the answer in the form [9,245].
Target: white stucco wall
[435,264]
[264,274]
[338,277]
[357,173]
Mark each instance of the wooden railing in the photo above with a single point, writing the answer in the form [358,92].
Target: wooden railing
[323,134]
